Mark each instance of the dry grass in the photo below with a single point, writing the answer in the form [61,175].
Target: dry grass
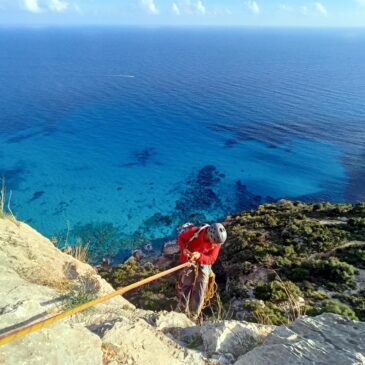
[79,252]
[110,354]
[2,196]
[62,285]
[6,213]
[296,309]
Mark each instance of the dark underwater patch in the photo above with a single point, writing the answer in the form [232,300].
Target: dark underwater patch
[22,137]
[142,158]
[355,168]
[200,195]
[230,142]
[49,130]
[247,200]
[78,168]
[15,176]
[271,134]
[155,221]
[208,176]
[103,238]
[61,208]
[36,196]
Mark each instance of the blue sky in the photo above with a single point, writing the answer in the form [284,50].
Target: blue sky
[323,13]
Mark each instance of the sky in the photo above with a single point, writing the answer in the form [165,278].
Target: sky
[260,13]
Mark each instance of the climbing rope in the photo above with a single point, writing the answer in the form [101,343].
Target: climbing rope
[21,332]
[211,290]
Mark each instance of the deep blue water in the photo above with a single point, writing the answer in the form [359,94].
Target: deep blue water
[120,135]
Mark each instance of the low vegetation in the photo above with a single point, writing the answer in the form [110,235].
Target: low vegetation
[280,261]
[155,296]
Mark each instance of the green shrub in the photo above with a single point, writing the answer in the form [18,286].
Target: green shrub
[316,295]
[76,298]
[300,274]
[247,267]
[357,303]
[354,256]
[330,272]
[357,222]
[159,295]
[267,313]
[332,306]
[277,291]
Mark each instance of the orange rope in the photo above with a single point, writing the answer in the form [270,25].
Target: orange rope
[21,332]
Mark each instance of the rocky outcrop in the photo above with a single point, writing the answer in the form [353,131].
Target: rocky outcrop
[232,338]
[326,339]
[37,280]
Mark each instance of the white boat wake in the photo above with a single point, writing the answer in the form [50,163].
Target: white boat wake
[125,76]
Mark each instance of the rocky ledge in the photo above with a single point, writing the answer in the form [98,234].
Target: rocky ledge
[38,280]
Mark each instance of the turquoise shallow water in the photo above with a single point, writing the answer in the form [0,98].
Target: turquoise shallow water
[119,135]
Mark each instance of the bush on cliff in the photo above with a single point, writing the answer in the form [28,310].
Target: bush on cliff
[332,306]
[159,295]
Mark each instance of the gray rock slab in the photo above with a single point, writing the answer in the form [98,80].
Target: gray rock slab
[325,339]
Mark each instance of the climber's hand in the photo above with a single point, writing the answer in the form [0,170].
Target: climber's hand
[195,255]
[187,253]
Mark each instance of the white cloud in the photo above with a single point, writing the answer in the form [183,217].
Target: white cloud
[310,10]
[175,9]
[361,2]
[77,8]
[58,6]
[253,6]
[189,7]
[320,9]
[32,6]
[200,8]
[149,6]
[304,10]
[285,8]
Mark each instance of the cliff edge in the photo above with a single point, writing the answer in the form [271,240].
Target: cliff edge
[37,280]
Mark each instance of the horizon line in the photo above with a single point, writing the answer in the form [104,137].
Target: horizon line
[237,26]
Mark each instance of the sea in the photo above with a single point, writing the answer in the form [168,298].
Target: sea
[114,137]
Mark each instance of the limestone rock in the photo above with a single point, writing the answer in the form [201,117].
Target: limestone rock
[165,320]
[57,345]
[138,343]
[232,338]
[325,339]
[170,248]
[35,279]
[35,259]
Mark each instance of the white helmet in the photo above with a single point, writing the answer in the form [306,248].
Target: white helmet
[217,233]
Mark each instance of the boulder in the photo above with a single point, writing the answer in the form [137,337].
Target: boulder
[165,320]
[232,338]
[170,248]
[325,339]
[138,343]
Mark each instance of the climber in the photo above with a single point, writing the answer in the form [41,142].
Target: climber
[201,246]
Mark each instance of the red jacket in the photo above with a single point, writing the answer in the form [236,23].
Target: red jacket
[208,251]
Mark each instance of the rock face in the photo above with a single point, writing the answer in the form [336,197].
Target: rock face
[232,338]
[36,280]
[326,339]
